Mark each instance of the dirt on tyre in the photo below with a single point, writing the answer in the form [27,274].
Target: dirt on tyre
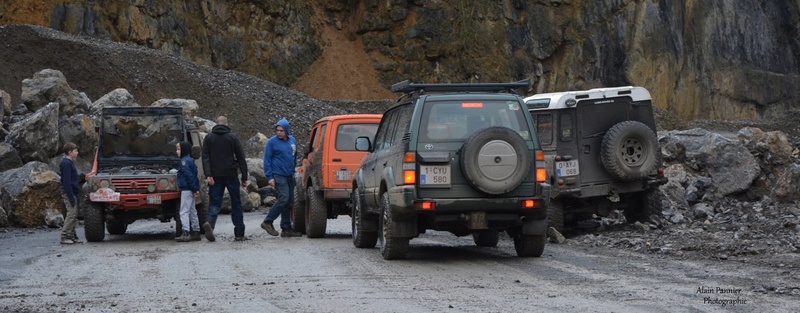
[316,215]
[298,211]
[530,245]
[555,215]
[361,238]
[495,160]
[94,222]
[645,204]
[116,227]
[629,150]
[392,248]
[486,237]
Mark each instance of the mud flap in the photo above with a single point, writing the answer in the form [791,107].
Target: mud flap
[534,227]
[405,229]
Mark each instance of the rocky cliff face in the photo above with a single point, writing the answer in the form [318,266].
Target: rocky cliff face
[713,59]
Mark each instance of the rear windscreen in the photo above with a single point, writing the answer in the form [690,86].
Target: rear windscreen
[346,135]
[457,120]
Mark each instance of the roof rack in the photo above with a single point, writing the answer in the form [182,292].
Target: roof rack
[408,87]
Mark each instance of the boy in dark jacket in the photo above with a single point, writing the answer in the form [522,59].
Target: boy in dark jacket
[189,185]
[69,191]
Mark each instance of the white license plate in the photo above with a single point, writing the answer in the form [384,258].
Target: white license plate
[434,175]
[342,175]
[567,168]
[104,195]
[153,199]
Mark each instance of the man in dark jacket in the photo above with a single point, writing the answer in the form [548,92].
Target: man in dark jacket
[222,157]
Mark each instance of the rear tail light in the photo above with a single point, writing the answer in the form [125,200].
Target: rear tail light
[425,205]
[409,177]
[539,155]
[409,169]
[531,203]
[541,172]
[541,175]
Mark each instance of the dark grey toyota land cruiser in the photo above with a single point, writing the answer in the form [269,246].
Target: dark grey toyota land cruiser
[462,158]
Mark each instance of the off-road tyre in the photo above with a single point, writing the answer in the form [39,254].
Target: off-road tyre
[361,238]
[495,160]
[317,214]
[643,205]
[94,222]
[530,245]
[298,210]
[392,248]
[116,227]
[486,237]
[629,150]
[555,215]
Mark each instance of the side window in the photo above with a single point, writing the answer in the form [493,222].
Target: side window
[384,128]
[544,127]
[401,123]
[565,127]
[312,146]
[321,140]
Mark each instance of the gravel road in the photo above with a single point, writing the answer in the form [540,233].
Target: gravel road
[145,270]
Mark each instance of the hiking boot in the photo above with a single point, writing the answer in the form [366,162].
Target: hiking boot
[195,236]
[238,233]
[74,238]
[290,233]
[184,237]
[269,228]
[209,231]
[66,241]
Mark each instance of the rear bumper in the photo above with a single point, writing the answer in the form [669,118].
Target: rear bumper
[606,188]
[337,194]
[403,202]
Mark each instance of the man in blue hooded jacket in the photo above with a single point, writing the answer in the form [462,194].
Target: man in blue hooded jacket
[279,164]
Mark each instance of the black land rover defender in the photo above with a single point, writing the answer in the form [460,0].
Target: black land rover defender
[463,158]
[601,151]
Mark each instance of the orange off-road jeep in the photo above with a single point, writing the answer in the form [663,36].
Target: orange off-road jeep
[323,180]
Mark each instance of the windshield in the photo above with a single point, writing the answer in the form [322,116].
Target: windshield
[457,120]
[140,135]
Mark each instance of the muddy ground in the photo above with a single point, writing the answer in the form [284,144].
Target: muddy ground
[145,270]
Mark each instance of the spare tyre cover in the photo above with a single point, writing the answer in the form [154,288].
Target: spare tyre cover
[495,160]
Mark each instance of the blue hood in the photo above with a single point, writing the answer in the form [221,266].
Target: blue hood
[285,124]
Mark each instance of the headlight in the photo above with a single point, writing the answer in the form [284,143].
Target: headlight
[163,183]
[103,183]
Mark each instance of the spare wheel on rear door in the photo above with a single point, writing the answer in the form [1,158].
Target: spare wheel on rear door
[495,160]
[628,151]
